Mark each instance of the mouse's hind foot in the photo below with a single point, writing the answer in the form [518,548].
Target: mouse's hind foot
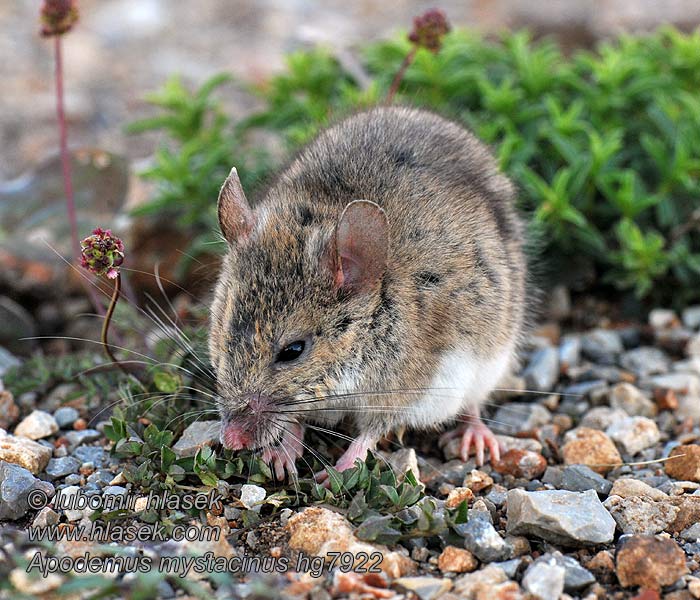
[474,434]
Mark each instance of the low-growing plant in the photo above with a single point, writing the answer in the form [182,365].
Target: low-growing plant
[603,146]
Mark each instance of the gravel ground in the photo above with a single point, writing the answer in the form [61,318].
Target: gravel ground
[597,494]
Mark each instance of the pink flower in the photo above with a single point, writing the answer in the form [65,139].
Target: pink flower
[58,16]
[429,29]
[102,253]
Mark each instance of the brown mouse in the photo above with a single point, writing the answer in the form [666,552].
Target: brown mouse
[381,278]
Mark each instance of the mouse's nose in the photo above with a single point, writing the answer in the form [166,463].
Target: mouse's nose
[233,436]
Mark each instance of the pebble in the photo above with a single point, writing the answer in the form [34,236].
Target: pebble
[663,318]
[640,514]
[682,383]
[16,483]
[60,467]
[579,478]
[402,461]
[576,577]
[24,452]
[252,496]
[645,361]
[544,579]
[34,587]
[691,317]
[483,583]
[78,438]
[198,435]
[590,447]
[90,454]
[569,352]
[515,417]
[38,424]
[46,517]
[626,487]
[457,496]
[9,411]
[7,361]
[74,514]
[601,417]
[602,345]
[425,588]
[521,464]
[634,434]
[316,531]
[457,560]
[692,533]
[560,516]
[66,416]
[584,389]
[477,481]
[626,397]
[482,539]
[648,561]
[543,370]
[686,466]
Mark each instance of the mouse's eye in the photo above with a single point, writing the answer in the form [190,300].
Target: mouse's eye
[291,351]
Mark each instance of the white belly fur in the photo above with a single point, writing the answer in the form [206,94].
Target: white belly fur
[461,384]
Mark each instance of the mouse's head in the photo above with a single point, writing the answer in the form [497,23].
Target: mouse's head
[298,287]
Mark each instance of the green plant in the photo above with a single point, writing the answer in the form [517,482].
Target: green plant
[202,146]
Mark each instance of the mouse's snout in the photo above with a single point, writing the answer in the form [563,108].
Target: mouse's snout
[244,424]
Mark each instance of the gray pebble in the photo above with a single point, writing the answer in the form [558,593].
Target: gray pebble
[579,478]
[78,438]
[15,485]
[692,533]
[74,479]
[520,416]
[543,370]
[93,454]
[602,345]
[482,540]
[544,579]
[570,351]
[645,361]
[66,416]
[60,467]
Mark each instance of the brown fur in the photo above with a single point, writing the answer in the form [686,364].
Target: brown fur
[455,275]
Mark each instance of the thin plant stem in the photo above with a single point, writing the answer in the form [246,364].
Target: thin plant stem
[66,168]
[400,75]
[108,319]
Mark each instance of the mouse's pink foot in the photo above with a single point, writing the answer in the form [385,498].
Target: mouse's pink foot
[282,458]
[357,449]
[474,433]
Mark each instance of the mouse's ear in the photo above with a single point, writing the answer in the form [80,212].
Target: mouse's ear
[361,246]
[236,218]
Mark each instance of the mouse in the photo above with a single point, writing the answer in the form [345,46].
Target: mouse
[380,280]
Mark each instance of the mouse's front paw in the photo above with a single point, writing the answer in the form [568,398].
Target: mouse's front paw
[281,462]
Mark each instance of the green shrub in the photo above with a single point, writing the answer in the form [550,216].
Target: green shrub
[604,146]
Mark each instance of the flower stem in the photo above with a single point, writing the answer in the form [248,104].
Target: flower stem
[108,319]
[400,74]
[66,168]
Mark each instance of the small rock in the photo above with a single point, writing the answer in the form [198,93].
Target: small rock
[544,579]
[692,350]
[602,345]
[482,540]
[38,424]
[634,434]
[645,361]
[7,361]
[16,483]
[626,487]
[641,515]
[690,316]
[34,586]
[515,417]
[692,533]
[663,318]
[90,454]
[649,561]
[78,438]
[665,399]
[198,435]
[66,416]
[681,383]
[579,478]
[507,443]
[477,481]
[560,517]
[521,463]
[252,496]
[316,531]
[24,452]
[46,517]
[482,584]
[633,401]
[457,496]
[543,371]
[590,447]
[569,352]
[601,417]
[457,560]
[685,467]
[73,514]
[576,577]
[425,588]
[60,467]
[9,411]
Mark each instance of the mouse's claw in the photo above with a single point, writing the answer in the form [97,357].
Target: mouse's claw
[281,462]
[476,434]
